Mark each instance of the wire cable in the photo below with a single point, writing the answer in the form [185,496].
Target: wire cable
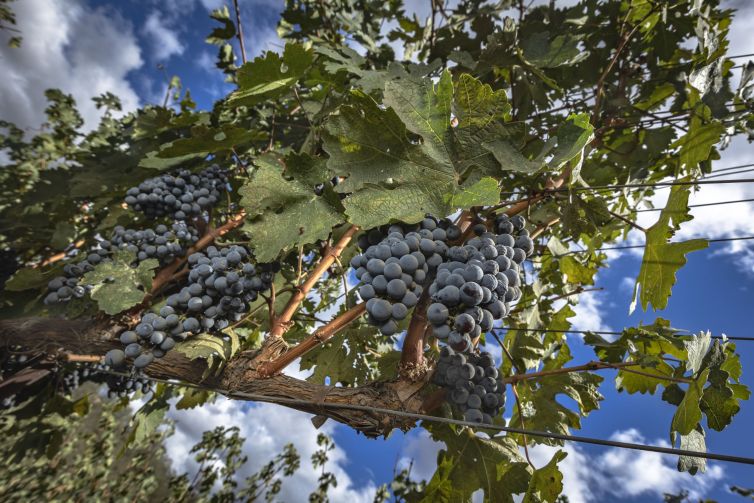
[700,205]
[423,417]
[632,247]
[604,332]
[638,186]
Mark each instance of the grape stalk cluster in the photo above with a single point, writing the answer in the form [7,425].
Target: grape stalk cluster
[221,285]
[472,383]
[393,269]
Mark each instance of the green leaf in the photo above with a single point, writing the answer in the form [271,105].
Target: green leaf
[193,397]
[663,259]
[719,405]
[216,350]
[206,140]
[547,482]
[224,33]
[391,175]
[485,189]
[572,137]
[544,411]
[150,415]
[688,413]
[696,145]
[637,383]
[30,278]
[543,52]
[470,462]
[116,285]
[282,209]
[154,161]
[271,76]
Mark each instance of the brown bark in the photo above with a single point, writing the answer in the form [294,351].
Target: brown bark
[58,336]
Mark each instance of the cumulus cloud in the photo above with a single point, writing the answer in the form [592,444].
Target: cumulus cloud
[82,51]
[164,41]
[267,428]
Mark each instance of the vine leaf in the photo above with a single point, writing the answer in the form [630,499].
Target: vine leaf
[572,137]
[216,350]
[546,482]
[206,140]
[542,52]
[271,76]
[663,259]
[282,207]
[544,412]
[116,285]
[688,414]
[469,463]
[150,415]
[696,349]
[400,162]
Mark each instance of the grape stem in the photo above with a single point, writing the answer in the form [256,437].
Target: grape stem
[412,355]
[59,256]
[167,274]
[321,335]
[72,357]
[282,322]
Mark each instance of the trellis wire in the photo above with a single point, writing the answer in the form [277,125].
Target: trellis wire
[423,417]
[604,332]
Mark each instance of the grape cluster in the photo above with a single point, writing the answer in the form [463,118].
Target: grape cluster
[394,268]
[64,288]
[221,285]
[117,385]
[472,384]
[183,195]
[162,243]
[479,281]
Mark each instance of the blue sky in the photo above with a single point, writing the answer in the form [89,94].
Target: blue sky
[91,46]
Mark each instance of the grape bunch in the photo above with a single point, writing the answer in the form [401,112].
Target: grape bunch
[162,243]
[117,385]
[479,281]
[182,196]
[64,288]
[394,268]
[221,285]
[472,384]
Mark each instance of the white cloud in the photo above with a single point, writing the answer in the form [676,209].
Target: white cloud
[82,51]
[267,428]
[164,41]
